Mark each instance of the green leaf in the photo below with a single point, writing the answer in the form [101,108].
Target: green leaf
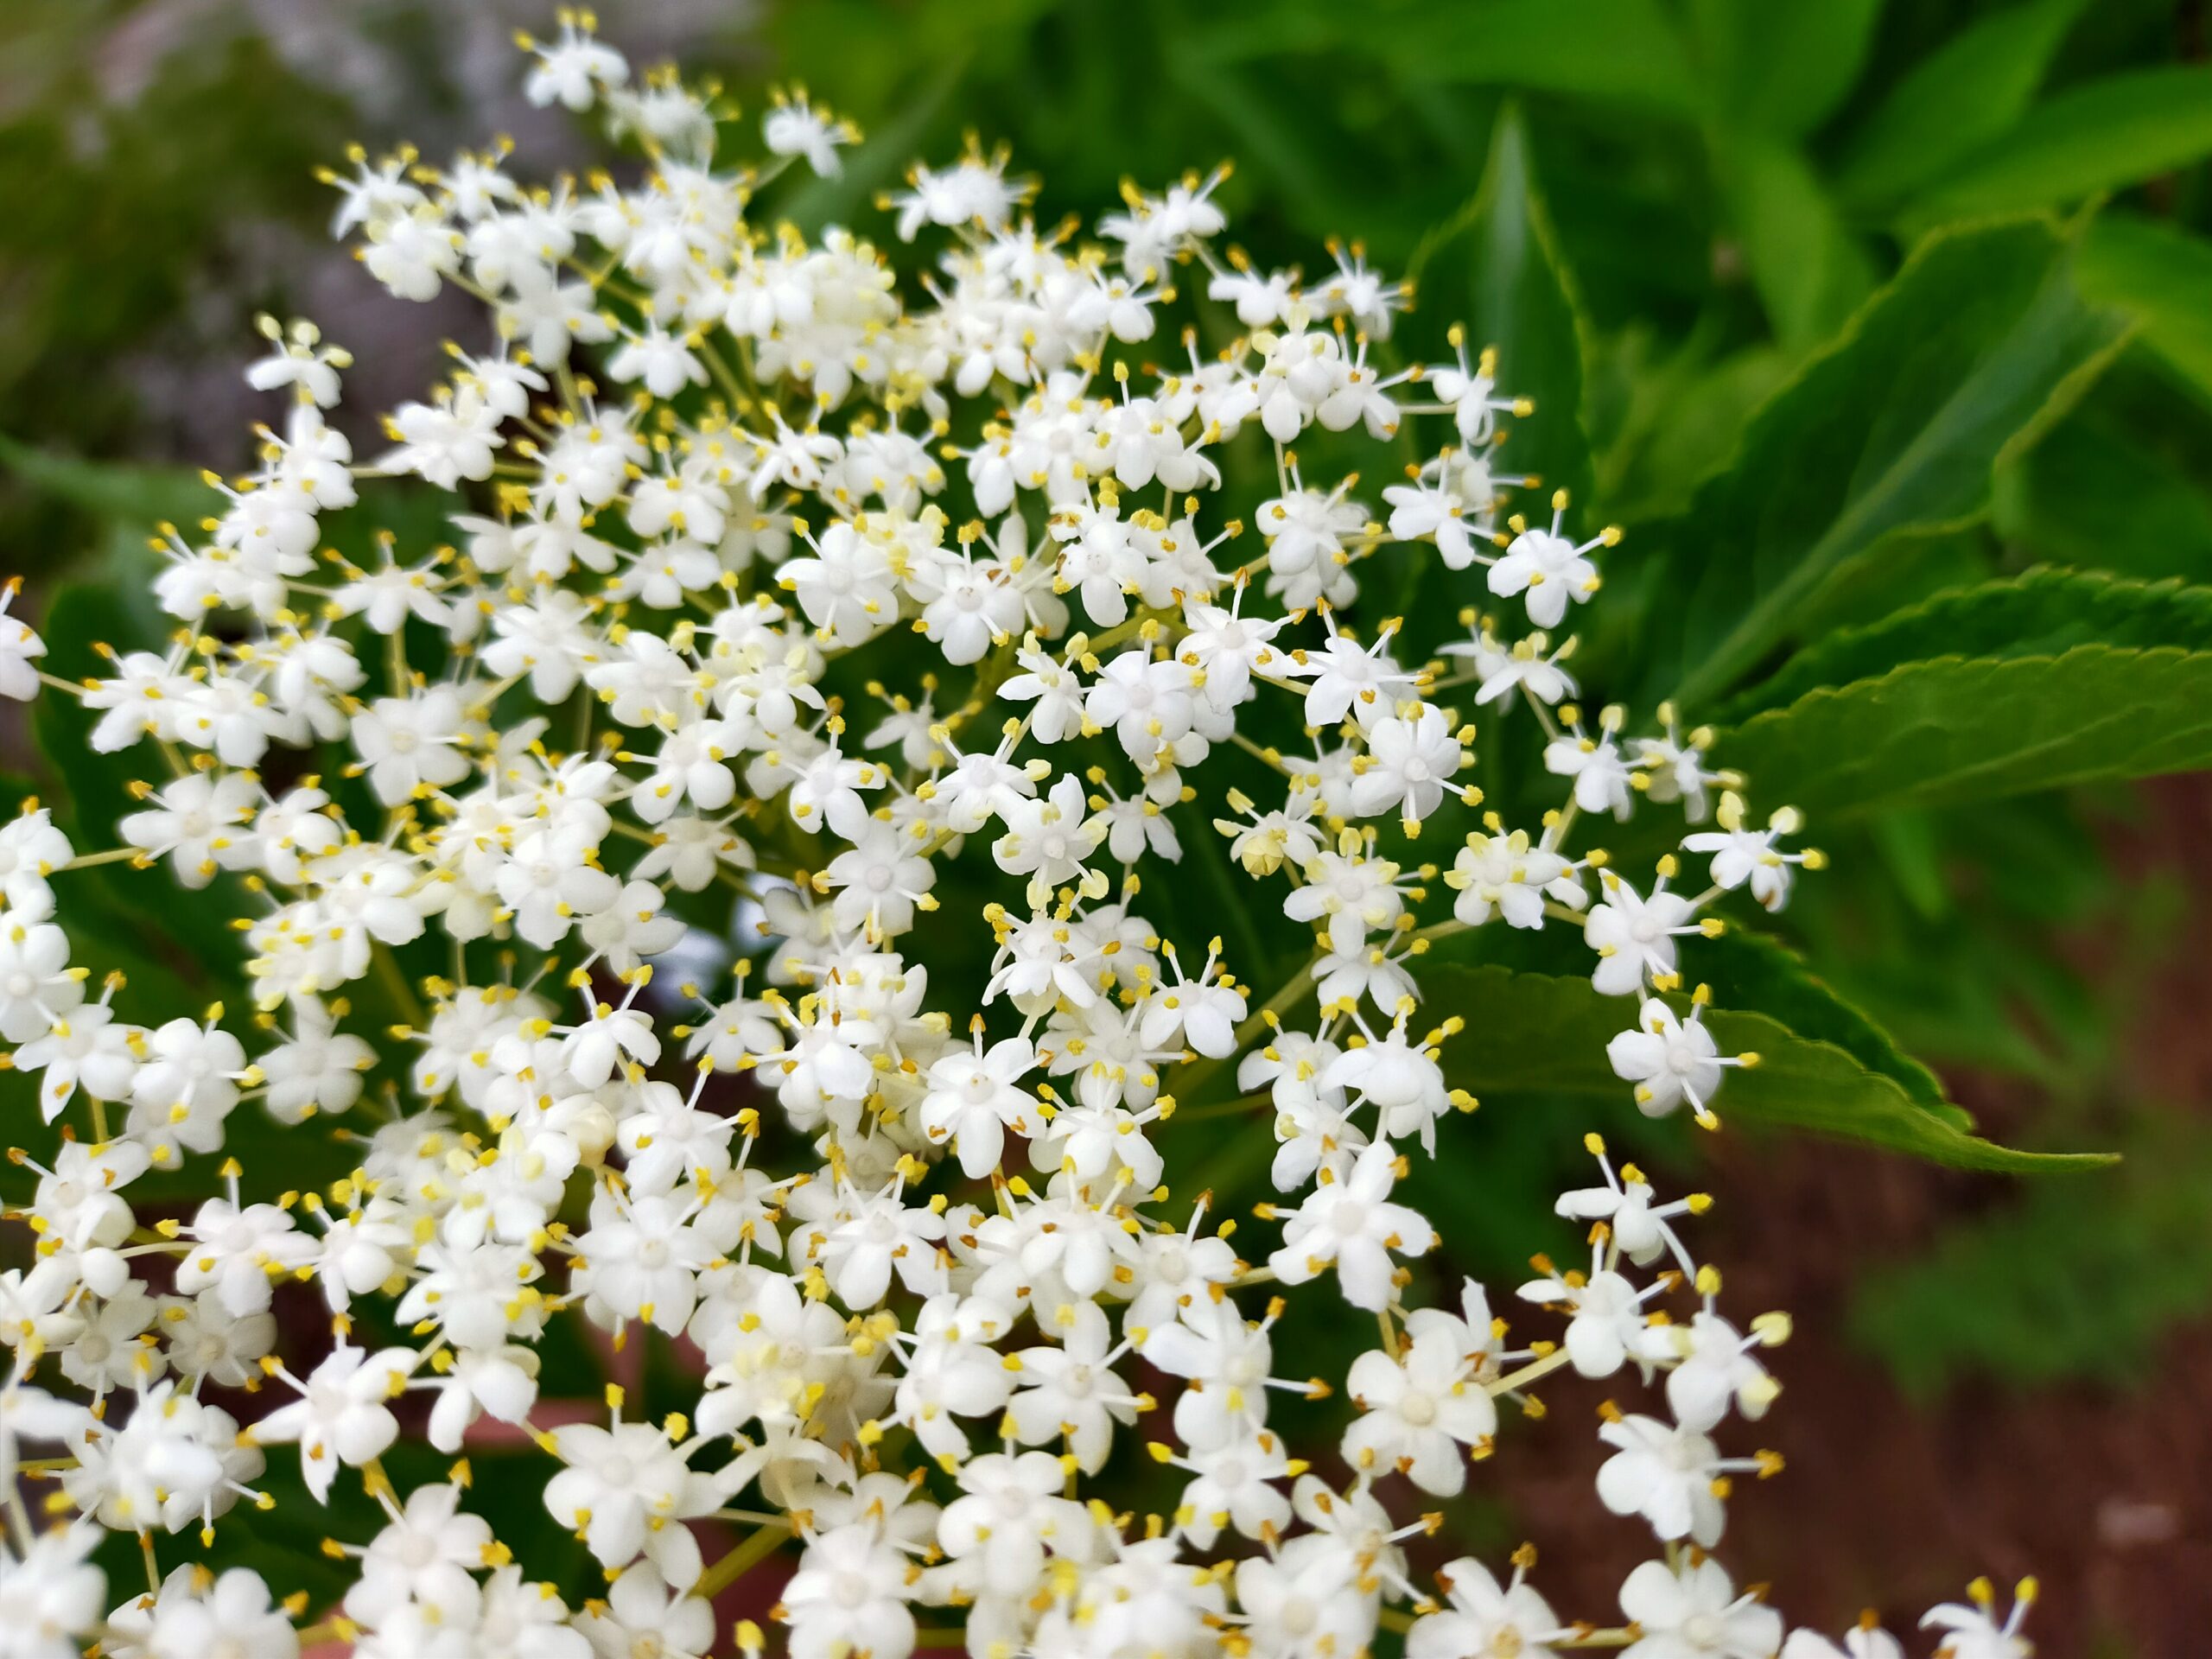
[1536,1042]
[1979,340]
[2160,275]
[1784,69]
[1967,92]
[1621,50]
[1810,271]
[1906,843]
[1758,974]
[1959,729]
[1497,264]
[2094,494]
[1682,420]
[1896,572]
[2110,132]
[140,497]
[2041,614]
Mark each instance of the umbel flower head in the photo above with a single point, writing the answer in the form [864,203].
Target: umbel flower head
[912,609]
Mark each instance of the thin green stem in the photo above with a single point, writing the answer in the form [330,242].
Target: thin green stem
[734,1566]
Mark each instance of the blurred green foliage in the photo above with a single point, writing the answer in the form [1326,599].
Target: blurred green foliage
[1668,215]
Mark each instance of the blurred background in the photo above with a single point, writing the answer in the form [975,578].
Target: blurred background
[1987,1376]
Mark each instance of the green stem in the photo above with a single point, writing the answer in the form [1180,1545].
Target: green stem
[395,981]
[88,860]
[734,1566]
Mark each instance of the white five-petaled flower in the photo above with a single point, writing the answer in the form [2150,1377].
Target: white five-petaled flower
[1350,1223]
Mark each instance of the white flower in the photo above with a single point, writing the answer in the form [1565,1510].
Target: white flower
[387,597]
[1471,392]
[1607,1327]
[1309,1603]
[411,745]
[1350,678]
[1502,668]
[1670,1060]
[631,927]
[1307,533]
[972,191]
[1411,764]
[206,1340]
[656,615]
[1482,1617]
[1010,1514]
[342,1414]
[1503,874]
[236,1251]
[1149,704]
[1602,782]
[879,1235]
[499,1383]
[847,590]
[664,361]
[186,1089]
[974,1099]
[1204,1011]
[1976,1631]
[426,1557]
[1047,839]
[1422,1404]
[1696,1613]
[848,1597]
[1633,935]
[548,884]
[19,648]
[1668,1475]
[107,1353]
[516,1620]
[1070,1395]
[1674,768]
[197,825]
[880,882]
[1397,1075]
[641,1260]
[1549,569]
[1260,300]
[1055,689]
[1861,1642]
[1351,1224]
[38,989]
[52,1599]
[320,1069]
[574,69]
[1637,1221]
[444,442]
[1430,512]
[795,127]
[626,1489]
[31,849]
[1714,1368]
[412,253]
[1742,855]
[301,361]
[644,1615]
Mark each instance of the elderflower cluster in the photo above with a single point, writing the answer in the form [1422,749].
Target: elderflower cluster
[932,1272]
